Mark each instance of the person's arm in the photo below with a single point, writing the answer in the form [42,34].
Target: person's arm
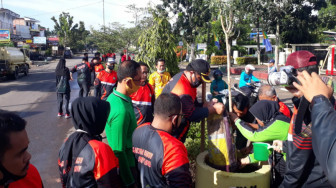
[151,81]
[192,113]
[175,167]
[106,176]
[278,130]
[116,133]
[324,138]
[255,79]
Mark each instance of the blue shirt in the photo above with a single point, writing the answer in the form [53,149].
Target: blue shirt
[272,69]
[218,85]
[246,78]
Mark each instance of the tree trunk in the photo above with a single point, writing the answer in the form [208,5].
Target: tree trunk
[192,52]
[276,51]
[228,55]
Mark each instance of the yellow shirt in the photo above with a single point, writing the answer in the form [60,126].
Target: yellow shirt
[159,81]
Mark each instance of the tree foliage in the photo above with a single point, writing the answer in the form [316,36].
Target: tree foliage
[191,16]
[69,33]
[158,42]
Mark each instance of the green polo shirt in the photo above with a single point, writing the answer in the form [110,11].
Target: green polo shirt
[119,129]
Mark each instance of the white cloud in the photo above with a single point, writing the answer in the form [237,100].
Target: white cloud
[89,11]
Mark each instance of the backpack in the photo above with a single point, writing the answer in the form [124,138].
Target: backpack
[61,86]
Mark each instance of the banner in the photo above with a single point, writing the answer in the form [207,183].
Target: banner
[266,42]
[4,35]
[40,40]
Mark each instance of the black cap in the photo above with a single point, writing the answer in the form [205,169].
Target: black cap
[202,67]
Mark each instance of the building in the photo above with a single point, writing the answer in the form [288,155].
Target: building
[6,20]
[26,27]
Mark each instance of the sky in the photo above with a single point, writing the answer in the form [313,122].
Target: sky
[89,11]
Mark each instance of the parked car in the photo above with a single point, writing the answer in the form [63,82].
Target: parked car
[68,54]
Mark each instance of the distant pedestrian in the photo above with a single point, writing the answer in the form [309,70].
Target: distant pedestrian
[106,80]
[86,56]
[63,87]
[83,77]
[160,78]
[271,67]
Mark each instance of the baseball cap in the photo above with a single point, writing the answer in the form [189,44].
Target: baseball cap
[271,61]
[202,67]
[301,59]
[110,60]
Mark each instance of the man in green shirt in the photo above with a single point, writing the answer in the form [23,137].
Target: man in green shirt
[121,121]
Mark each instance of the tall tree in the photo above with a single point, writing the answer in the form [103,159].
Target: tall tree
[229,14]
[191,15]
[158,42]
[64,28]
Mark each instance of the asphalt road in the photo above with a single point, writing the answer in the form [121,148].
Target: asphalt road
[33,97]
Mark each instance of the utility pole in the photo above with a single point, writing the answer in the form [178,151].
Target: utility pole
[1,4]
[104,15]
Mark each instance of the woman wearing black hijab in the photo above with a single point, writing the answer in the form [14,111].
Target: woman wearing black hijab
[62,72]
[273,125]
[84,160]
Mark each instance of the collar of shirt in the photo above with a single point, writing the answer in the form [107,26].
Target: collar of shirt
[122,96]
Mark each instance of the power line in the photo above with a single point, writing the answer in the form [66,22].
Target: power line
[67,9]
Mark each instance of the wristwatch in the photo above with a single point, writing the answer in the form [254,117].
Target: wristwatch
[318,99]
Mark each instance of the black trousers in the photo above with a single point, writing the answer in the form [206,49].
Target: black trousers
[84,89]
[60,102]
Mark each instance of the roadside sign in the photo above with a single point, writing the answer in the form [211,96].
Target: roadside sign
[181,43]
[40,40]
[201,46]
[54,48]
[20,44]
[4,35]
[29,41]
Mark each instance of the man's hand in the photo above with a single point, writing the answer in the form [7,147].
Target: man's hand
[233,116]
[312,85]
[219,108]
[278,145]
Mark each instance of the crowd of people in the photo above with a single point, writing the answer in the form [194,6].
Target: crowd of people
[146,121]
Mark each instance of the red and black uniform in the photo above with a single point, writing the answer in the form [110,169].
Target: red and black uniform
[83,78]
[31,180]
[194,112]
[143,102]
[105,82]
[162,159]
[98,67]
[285,110]
[302,168]
[84,160]
[96,166]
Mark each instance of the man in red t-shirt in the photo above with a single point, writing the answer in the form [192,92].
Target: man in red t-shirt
[143,99]
[267,92]
[106,80]
[15,169]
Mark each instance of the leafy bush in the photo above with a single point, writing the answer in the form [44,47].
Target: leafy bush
[193,141]
[246,60]
[219,60]
[178,52]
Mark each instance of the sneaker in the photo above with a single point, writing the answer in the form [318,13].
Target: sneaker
[67,116]
[59,114]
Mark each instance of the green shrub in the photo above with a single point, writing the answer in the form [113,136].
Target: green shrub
[246,60]
[219,60]
[193,141]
